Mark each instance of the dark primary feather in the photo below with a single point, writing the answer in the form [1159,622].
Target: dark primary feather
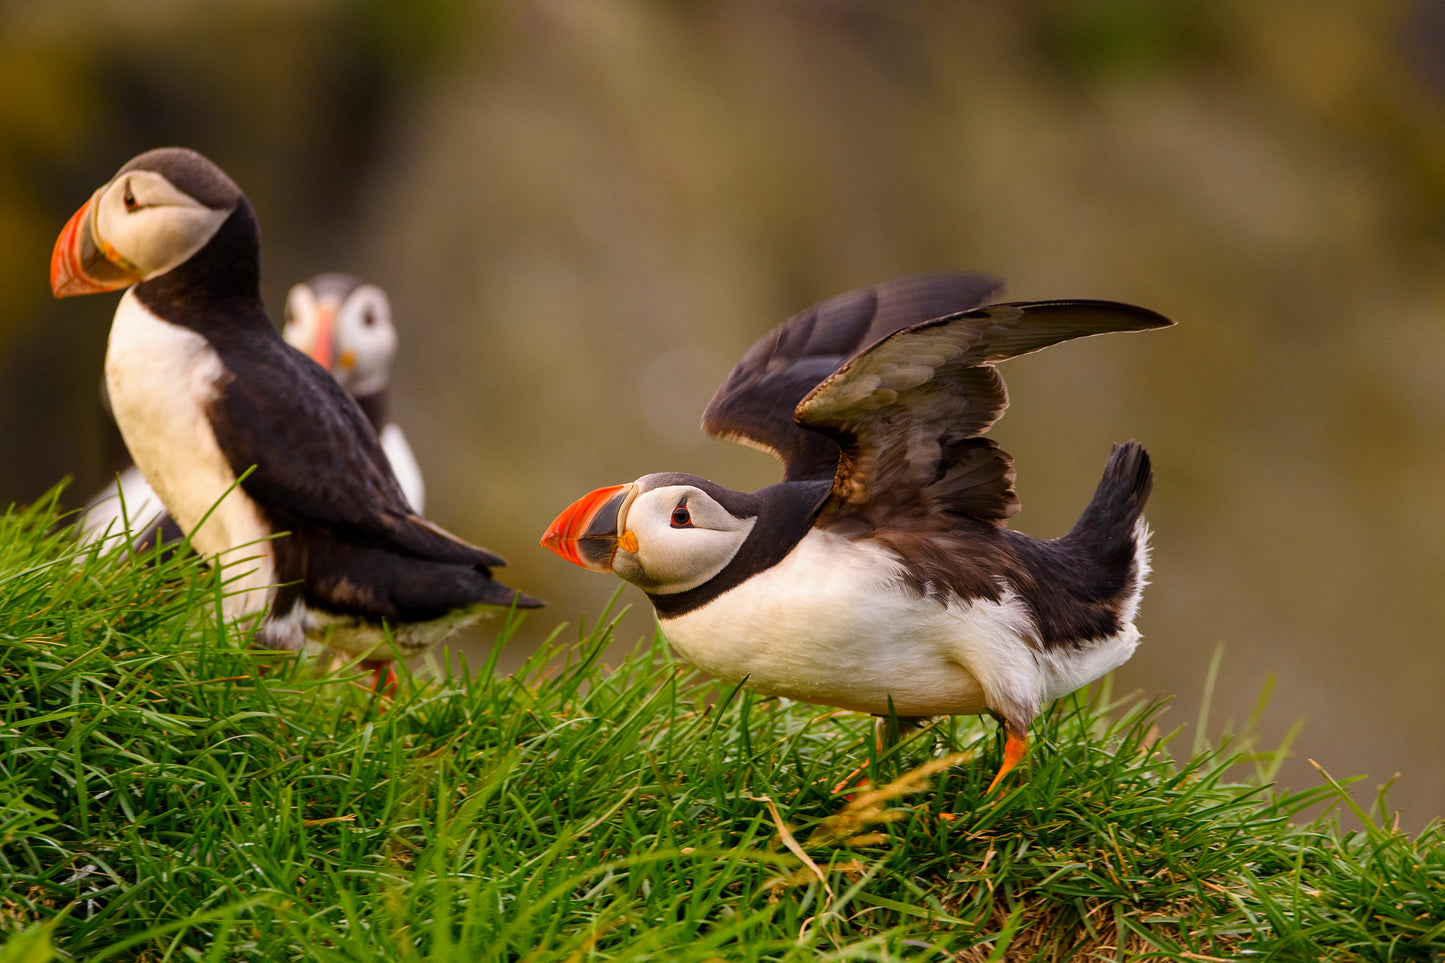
[350,577]
[755,404]
[907,413]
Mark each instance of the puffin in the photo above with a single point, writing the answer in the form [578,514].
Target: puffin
[344,324]
[256,452]
[879,575]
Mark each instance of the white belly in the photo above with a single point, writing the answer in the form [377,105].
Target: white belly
[161,377]
[848,634]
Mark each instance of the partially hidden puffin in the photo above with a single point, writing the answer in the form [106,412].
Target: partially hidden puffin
[254,449]
[345,325]
[879,576]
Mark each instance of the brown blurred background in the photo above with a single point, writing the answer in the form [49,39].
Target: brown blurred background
[585,212]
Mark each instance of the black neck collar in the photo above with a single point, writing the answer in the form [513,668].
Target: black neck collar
[219,284]
[376,409]
[785,514]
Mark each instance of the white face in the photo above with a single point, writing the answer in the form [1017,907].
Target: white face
[684,537]
[362,339]
[144,222]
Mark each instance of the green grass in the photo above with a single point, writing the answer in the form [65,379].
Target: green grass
[168,794]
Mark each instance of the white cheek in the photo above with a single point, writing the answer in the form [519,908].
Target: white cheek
[673,560]
[662,560]
[156,239]
[372,348]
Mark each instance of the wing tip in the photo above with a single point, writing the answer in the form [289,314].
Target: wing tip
[1139,318]
[505,596]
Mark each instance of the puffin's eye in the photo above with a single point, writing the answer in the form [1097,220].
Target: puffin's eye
[681,517]
[129,199]
[368,319]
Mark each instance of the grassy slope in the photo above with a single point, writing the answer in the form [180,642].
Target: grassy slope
[167,794]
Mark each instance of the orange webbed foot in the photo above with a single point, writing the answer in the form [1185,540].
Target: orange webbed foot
[1014,749]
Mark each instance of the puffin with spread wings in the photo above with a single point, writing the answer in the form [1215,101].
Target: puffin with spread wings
[878,576]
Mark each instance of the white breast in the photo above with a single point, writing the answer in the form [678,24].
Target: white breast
[832,624]
[161,377]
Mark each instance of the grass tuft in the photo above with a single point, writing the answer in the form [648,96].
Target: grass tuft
[167,793]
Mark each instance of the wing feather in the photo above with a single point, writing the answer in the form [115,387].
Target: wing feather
[755,404]
[908,411]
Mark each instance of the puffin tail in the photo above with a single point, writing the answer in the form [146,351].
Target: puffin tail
[1112,528]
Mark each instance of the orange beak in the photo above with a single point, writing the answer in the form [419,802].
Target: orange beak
[590,531]
[324,347]
[80,264]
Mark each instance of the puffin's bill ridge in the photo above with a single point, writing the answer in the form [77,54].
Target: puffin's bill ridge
[588,531]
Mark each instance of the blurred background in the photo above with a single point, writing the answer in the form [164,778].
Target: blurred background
[585,212]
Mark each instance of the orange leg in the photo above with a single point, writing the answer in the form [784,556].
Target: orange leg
[855,778]
[383,677]
[883,736]
[1013,753]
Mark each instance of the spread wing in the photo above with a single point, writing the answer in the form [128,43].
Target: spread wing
[755,404]
[317,461]
[908,411]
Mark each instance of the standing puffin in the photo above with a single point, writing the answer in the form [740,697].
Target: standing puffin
[316,535]
[879,576]
[344,324]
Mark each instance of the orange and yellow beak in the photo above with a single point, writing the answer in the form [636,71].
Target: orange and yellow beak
[591,530]
[83,264]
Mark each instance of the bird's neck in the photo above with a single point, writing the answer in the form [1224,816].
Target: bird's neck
[222,280]
[376,409]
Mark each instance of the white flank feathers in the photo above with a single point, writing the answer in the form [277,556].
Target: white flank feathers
[834,624]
